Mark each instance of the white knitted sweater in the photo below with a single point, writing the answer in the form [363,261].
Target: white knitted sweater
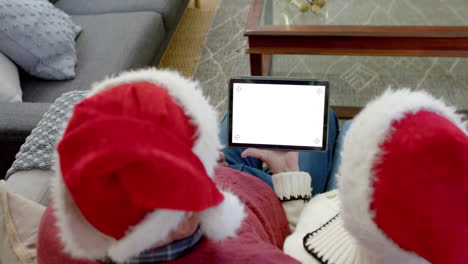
[318,234]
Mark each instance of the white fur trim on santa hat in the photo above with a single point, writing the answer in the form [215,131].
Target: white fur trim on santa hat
[156,227]
[189,96]
[79,238]
[361,152]
[82,241]
[224,220]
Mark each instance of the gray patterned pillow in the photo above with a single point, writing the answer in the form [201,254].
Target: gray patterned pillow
[38,149]
[39,38]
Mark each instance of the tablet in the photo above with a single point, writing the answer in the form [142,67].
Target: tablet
[283,114]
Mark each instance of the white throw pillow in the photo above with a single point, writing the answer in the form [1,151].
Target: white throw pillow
[10,89]
[19,224]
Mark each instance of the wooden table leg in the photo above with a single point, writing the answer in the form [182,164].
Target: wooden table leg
[256,64]
[260,64]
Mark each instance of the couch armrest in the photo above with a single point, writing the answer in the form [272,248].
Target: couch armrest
[16,122]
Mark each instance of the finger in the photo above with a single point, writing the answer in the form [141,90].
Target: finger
[221,157]
[223,164]
[252,152]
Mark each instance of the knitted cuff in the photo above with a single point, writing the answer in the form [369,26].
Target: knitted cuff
[293,185]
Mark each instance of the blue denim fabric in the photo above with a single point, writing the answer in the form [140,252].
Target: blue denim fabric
[318,164]
[337,156]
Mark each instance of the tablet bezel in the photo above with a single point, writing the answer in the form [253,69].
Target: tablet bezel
[288,81]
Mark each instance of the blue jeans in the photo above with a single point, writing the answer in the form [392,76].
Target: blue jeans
[337,156]
[319,165]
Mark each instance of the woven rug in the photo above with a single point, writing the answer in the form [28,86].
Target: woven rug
[183,51]
[223,54]
[354,80]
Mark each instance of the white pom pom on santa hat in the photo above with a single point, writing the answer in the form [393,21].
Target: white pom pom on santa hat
[230,213]
[404,178]
[135,157]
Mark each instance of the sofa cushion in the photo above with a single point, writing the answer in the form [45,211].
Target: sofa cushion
[31,184]
[39,38]
[109,43]
[169,9]
[10,90]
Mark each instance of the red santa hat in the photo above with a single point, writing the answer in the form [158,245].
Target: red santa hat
[137,156]
[404,180]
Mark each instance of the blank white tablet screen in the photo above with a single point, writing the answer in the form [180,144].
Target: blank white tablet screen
[278,114]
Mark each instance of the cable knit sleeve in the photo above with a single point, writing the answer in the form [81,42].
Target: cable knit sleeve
[294,190]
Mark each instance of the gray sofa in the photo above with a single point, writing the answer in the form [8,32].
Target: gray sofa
[117,35]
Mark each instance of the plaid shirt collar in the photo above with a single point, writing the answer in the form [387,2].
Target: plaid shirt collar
[169,252]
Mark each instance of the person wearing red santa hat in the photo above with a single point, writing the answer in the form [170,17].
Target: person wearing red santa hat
[135,165]
[402,189]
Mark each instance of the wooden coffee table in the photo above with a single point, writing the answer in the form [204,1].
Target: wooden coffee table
[425,28]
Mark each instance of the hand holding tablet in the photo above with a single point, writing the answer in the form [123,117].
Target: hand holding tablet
[277,161]
[284,114]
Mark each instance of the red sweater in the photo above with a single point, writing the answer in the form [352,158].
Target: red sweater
[260,239]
